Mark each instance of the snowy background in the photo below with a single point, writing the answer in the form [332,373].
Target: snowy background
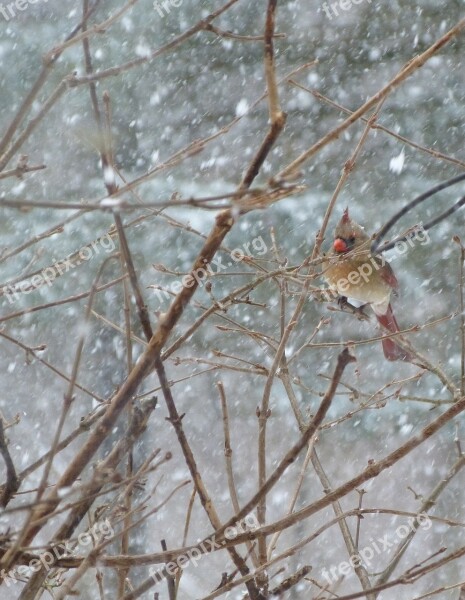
[159,108]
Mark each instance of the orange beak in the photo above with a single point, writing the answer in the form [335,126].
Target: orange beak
[340,245]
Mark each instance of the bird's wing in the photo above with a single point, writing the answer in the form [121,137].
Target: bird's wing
[387,274]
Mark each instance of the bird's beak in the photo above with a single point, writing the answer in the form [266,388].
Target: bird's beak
[340,245]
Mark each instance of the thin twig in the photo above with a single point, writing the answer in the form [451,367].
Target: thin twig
[413,65]
[9,489]
[408,142]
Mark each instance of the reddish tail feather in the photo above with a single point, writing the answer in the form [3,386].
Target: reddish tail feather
[391,350]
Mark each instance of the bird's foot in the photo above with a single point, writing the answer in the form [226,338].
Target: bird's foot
[346,306]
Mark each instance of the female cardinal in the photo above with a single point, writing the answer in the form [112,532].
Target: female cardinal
[366,278]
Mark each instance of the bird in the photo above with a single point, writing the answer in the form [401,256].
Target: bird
[366,278]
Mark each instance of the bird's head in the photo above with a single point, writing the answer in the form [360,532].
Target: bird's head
[348,235]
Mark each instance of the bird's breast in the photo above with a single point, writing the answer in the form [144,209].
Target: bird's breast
[358,278]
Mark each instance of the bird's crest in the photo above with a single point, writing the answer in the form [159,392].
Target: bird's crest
[345,215]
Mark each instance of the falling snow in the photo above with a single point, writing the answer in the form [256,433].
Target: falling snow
[185,126]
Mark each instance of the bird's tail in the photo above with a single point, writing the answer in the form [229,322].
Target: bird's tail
[391,350]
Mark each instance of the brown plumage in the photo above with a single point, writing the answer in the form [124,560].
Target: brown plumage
[363,277]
